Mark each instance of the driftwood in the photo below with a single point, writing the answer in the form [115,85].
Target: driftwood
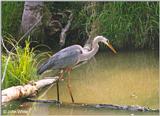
[17,92]
[30,90]
[98,106]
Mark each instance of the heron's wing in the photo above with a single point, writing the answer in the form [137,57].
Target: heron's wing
[66,57]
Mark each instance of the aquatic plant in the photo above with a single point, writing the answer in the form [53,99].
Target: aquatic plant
[22,63]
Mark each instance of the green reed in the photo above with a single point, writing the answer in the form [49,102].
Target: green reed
[22,65]
[126,24]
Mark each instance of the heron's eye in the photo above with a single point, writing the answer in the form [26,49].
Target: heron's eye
[107,41]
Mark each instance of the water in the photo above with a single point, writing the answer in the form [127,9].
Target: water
[127,78]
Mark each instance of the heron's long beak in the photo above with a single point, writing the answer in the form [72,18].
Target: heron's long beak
[111,47]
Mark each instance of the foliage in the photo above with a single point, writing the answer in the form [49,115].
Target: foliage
[130,24]
[126,24]
[22,66]
[11,17]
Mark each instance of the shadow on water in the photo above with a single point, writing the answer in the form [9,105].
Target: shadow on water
[128,78]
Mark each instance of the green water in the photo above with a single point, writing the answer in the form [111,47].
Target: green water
[127,78]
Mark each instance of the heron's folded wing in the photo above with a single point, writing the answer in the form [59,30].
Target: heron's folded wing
[66,57]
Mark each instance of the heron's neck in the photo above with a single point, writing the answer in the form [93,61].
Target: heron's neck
[89,54]
[94,49]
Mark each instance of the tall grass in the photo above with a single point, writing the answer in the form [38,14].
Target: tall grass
[130,24]
[22,65]
[127,24]
[11,17]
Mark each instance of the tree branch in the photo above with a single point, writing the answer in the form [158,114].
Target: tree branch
[65,29]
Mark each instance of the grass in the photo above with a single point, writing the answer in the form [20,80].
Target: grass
[132,25]
[128,25]
[22,64]
[11,17]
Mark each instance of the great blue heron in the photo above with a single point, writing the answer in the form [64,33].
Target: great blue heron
[71,56]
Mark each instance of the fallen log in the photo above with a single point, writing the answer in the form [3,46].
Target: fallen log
[98,106]
[31,89]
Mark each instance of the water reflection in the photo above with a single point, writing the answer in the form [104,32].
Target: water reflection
[125,78]
[128,78]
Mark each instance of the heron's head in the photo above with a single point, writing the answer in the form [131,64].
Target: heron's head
[105,41]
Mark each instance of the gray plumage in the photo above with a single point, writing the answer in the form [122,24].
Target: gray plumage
[66,57]
[70,56]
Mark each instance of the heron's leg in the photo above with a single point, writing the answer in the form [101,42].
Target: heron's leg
[68,84]
[57,84]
